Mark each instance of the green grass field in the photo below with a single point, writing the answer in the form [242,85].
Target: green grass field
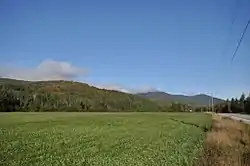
[101,138]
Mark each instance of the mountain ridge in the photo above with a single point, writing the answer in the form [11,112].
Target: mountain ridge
[199,99]
[60,95]
[84,91]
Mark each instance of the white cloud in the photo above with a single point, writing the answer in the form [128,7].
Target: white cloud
[145,89]
[47,70]
[126,89]
[57,70]
[112,87]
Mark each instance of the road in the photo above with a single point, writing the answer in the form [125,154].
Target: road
[242,117]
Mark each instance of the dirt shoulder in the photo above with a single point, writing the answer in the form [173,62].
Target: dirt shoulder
[227,144]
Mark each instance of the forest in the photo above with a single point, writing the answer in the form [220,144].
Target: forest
[70,96]
[66,96]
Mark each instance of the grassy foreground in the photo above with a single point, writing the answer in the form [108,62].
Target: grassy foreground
[228,144]
[101,138]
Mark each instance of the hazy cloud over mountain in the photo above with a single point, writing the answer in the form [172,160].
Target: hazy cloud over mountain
[124,89]
[58,70]
[46,70]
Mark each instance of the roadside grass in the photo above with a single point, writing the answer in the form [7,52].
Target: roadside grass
[228,144]
[100,138]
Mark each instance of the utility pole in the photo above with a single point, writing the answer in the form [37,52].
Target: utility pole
[208,105]
[228,106]
[212,104]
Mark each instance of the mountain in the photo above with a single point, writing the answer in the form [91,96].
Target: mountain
[198,100]
[66,96]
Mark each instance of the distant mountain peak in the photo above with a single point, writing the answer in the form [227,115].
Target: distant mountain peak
[198,99]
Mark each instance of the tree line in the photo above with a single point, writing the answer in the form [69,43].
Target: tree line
[67,96]
[76,97]
[235,105]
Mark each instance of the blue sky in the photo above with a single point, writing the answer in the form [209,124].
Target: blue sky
[179,46]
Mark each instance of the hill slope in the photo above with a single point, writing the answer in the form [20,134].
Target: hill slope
[199,100]
[68,96]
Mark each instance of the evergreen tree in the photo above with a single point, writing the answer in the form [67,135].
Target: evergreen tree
[242,98]
[247,104]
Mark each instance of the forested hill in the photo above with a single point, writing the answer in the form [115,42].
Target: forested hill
[17,95]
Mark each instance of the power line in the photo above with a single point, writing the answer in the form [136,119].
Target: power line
[234,16]
[239,43]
